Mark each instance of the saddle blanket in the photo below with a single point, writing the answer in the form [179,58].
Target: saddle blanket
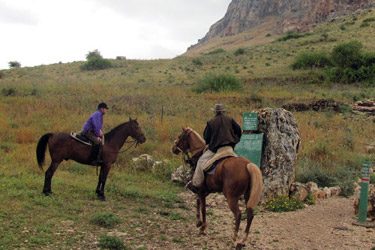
[221,154]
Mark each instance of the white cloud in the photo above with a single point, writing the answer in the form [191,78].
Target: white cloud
[48,31]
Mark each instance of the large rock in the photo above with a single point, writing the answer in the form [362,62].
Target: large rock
[281,143]
[145,162]
[182,174]
[302,191]
[298,191]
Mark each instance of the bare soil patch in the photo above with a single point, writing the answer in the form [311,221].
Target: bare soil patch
[325,225]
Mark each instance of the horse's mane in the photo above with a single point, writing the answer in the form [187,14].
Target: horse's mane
[112,132]
[197,135]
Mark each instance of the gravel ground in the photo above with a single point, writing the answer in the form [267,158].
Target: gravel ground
[325,225]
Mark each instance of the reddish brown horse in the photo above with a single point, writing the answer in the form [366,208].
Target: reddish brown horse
[235,176]
[63,147]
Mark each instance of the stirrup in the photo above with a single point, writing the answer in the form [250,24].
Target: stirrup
[193,188]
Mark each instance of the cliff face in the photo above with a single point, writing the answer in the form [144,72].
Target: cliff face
[291,15]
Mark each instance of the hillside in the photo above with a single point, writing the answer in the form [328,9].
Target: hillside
[249,21]
[154,212]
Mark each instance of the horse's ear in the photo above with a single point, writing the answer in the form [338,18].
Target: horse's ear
[130,118]
[183,128]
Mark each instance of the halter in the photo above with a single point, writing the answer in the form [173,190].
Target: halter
[185,153]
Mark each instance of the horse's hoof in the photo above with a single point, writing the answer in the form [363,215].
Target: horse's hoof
[199,223]
[101,197]
[240,245]
[202,232]
[47,193]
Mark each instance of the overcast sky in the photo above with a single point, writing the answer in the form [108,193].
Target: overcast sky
[35,32]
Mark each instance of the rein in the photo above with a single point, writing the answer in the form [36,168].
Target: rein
[185,154]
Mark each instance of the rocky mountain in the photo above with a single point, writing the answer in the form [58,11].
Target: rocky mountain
[283,15]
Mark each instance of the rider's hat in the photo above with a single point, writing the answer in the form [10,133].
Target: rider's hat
[218,107]
[102,105]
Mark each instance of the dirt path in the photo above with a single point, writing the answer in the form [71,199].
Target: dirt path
[325,225]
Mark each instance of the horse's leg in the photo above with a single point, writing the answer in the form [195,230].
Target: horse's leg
[233,205]
[250,217]
[202,198]
[99,182]
[48,177]
[104,170]
[198,213]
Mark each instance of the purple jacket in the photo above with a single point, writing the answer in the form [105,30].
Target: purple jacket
[94,123]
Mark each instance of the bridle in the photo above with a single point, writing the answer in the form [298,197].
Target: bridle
[185,152]
[136,138]
[135,142]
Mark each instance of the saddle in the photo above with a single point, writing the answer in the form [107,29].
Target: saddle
[221,154]
[94,157]
[81,138]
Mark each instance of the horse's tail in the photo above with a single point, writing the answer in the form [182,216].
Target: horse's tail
[41,149]
[256,185]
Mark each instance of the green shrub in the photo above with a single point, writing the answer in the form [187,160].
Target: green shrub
[239,51]
[311,170]
[368,59]
[111,242]
[96,63]
[347,55]
[345,109]
[370,19]
[310,199]
[346,64]
[105,219]
[283,204]
[9,91]
[372,178]
[291,35]
[309,60]
[346,177]
[218,83]
[197,62]
[216,51]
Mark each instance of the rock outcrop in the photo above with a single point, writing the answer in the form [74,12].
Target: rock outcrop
[364,107]
[319,105]
[281,143]
[285,15]
[182,174]
[145,162]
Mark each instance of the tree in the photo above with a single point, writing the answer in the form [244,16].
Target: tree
[95,61]
[93,54]
[14,64]
[348,55]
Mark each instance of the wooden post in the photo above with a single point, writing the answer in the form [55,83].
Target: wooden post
[363,200]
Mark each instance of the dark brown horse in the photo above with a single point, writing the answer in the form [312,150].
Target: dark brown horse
[235,176]
[63,147]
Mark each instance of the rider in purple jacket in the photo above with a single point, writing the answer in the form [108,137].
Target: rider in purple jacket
[92,129]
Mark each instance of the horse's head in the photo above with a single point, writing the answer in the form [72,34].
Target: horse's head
[136,131]
[182,142]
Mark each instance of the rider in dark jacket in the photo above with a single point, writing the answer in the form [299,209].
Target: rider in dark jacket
[220,131]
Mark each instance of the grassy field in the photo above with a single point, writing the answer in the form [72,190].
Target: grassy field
[60,97]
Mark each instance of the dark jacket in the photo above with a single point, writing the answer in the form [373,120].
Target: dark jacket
[221,131]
